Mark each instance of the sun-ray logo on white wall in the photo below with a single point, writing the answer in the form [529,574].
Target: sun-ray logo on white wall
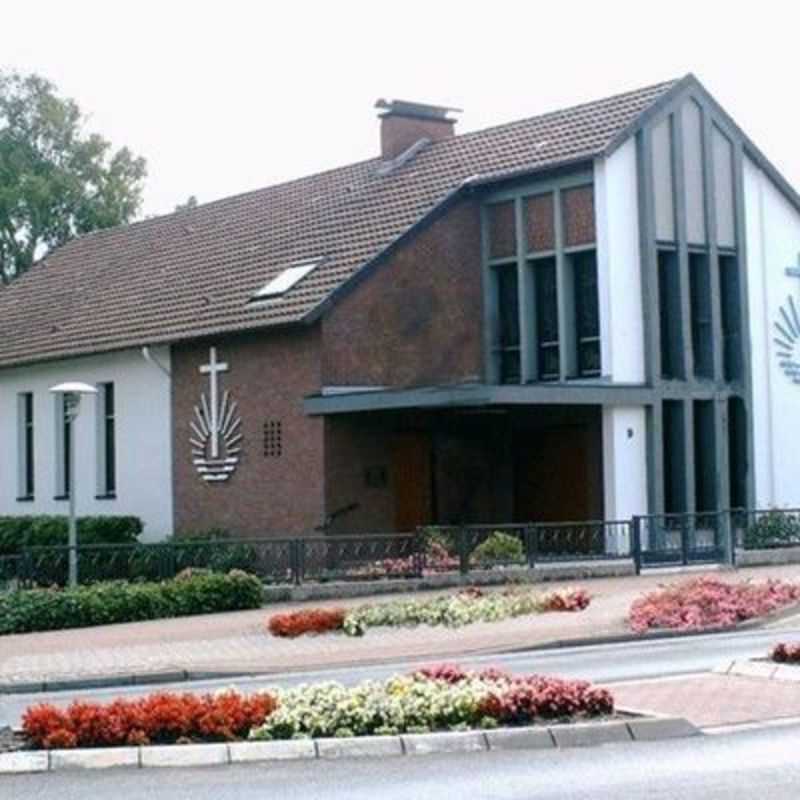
[787,328]
[216,428]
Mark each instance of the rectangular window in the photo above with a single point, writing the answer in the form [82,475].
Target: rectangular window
[674,458]
[737,451]
[25,445]
[107,441]
[731,317]
[670,318]
[508,340]
[702,329]
[705,462]
[587,315]
[546,289]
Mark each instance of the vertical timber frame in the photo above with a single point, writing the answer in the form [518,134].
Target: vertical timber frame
[693,388]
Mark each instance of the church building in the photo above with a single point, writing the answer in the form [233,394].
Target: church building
[584,315]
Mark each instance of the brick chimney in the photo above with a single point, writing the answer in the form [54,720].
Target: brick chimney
[403,124]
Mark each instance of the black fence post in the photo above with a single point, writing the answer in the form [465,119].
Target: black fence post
[636,544]
[463,551]
[531,545]
[418,550]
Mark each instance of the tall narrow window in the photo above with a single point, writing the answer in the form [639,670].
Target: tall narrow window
[705,462]
[25,446]
[702,330]
[547,318]
[587,318]
[108,454]
[731,317]
[508,323]
[674,458]
[737,452]
[670,320]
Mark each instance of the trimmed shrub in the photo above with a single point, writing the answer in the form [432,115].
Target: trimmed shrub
[499,548]
[117,601]
[49,531]
[701,603]
[162,718]
[773,529]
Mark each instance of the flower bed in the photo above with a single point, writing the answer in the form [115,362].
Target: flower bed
[438,698]
[709,603]
[193,592]
[161,718]
[453,611]
[785,653]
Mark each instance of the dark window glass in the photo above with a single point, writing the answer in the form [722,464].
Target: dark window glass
[28,488]
[587,315]
[109,434]
[508,319]
[670,320]
[674,458]
[702,330]
[731,317]
[547,319]
[705,468]
[737,451]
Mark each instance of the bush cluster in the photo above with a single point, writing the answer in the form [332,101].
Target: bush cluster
[117,601]
[443,697]
[709,603]
[773,529]
[162,718]
[499,548]
[46,531]
[785,653]
[453,611]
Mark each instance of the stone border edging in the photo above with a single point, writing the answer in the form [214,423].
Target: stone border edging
[761,668]
[195,755]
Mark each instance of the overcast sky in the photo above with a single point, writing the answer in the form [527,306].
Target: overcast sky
[228,96]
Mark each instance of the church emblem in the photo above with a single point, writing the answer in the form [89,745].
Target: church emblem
[787,334]
[216,436]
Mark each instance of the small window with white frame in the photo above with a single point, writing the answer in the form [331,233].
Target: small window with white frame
[25,456]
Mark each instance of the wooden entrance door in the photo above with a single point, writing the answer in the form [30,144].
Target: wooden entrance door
[412,480]
[553,476]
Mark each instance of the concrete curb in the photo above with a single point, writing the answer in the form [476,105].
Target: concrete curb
[194,755]
[761,668]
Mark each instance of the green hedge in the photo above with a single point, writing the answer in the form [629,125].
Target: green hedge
[117,601]
[43,530]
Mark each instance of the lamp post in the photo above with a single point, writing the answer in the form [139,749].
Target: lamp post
[71,393]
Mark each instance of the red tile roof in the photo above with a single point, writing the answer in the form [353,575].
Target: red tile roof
[192,273]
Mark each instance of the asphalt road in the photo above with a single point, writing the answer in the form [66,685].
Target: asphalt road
[599,663]
[749,764]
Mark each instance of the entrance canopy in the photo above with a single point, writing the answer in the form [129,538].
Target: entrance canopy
[347,400]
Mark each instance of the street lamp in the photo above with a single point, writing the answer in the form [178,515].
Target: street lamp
[71,392]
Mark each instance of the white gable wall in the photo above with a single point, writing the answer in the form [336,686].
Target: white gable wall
[143,438]
[773,244]
[619,275]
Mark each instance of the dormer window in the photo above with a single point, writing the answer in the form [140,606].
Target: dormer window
[285,281]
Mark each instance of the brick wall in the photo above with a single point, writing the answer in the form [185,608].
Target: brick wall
[280,491]
[417,319]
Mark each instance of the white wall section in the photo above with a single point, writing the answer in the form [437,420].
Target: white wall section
[619,270]
[143,438]
[773,244]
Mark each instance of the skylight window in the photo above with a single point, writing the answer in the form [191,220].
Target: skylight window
[286,280]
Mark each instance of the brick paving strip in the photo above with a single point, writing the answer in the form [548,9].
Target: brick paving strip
[237,642]
[712,699]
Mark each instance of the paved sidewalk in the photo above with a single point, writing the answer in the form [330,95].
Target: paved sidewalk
[238,642]
[712,700]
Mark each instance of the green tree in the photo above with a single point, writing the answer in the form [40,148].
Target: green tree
[56,181]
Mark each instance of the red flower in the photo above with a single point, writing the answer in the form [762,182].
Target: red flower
[314,620]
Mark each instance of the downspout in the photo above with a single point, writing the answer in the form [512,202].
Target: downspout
[151,359]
